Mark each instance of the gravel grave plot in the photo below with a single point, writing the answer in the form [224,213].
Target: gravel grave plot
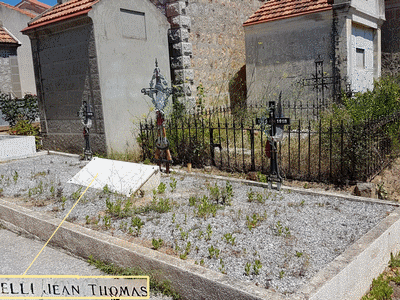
[277,240]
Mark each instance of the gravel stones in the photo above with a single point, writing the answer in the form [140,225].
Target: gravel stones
[277,240]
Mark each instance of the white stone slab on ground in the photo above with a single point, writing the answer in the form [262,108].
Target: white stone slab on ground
[16,147]
[119,176]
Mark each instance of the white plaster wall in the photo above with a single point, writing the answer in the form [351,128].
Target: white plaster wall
[362,78]
[279,53]
[15,21]
[126,66]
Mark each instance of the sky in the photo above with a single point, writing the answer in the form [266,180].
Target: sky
[14,2]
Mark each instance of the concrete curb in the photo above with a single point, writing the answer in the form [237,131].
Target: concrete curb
[191,281]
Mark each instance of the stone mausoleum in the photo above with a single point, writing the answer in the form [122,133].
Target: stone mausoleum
[284,38]
[102,52]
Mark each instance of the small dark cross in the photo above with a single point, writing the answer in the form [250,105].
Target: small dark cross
[274,124]
[86,115]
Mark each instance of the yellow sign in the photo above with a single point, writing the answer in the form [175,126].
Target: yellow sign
[73,287]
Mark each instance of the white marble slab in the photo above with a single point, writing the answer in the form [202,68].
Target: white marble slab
[119,176]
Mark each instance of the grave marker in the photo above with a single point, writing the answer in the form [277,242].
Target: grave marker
[119,176]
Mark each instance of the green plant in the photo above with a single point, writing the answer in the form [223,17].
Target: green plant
[173,218]
[257,267]
[107,221]
[250,195]
[184,235]
[52,190]
[192,201]
[394,261]
[157,243]
[260,198]
[209,232]
[229,238]
[380,289]
[87,220]
[75,195]
[106,189]
[161,188]
[63,201]
[187,251]
[281,274]
[137,223]
[222,267]
[280,230]
[172,184]
[381,191]
[202,262]
[247,268]
[14,110]
[15,176]
[254,220]
[299,254]
[213,252]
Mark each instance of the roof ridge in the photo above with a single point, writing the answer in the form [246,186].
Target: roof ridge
[18,9]
[7,37]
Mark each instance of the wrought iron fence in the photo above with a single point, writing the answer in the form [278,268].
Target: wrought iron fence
[313,150]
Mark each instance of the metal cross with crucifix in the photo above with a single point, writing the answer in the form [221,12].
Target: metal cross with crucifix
[273,128]
[159,94]
[86,115]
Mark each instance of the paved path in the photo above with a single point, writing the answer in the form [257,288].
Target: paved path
[17,253]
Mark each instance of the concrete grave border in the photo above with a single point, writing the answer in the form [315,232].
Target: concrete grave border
[347,277]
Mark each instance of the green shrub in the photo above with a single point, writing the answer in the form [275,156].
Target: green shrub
[19,109]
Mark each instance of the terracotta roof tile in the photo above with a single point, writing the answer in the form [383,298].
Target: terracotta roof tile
[18,9]
[6,38]
[62,11]
[281,9]
[44,5]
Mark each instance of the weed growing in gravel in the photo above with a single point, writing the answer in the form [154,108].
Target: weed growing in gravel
[394,261]
[173,218]
[202,262]
[87,220]
[257,267]
[157,243]
[213,252]
[63,201]
[161,188]
[250,196]
[187,251]
[247,268]
[281,274]
[205,208]
[123,226]
[224,194]
[222,267]
[106,189]
[279,230]
[184,235]
[209,232]
[299,254]
[52,191]
[15,177]
[75,195]
[229,238]
[254,220]
[156,285]
[116,210]
[137,223]
[158,205]
[200,234]
[172,184]
[34,176]
[36,190]
[192,201]
[260,198]
[107,222]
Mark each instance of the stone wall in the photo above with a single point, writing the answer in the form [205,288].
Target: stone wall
[217,36]
[67,74]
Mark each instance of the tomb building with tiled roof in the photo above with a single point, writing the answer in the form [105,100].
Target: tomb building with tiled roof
[102,52]
[13,20]
[287,39]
